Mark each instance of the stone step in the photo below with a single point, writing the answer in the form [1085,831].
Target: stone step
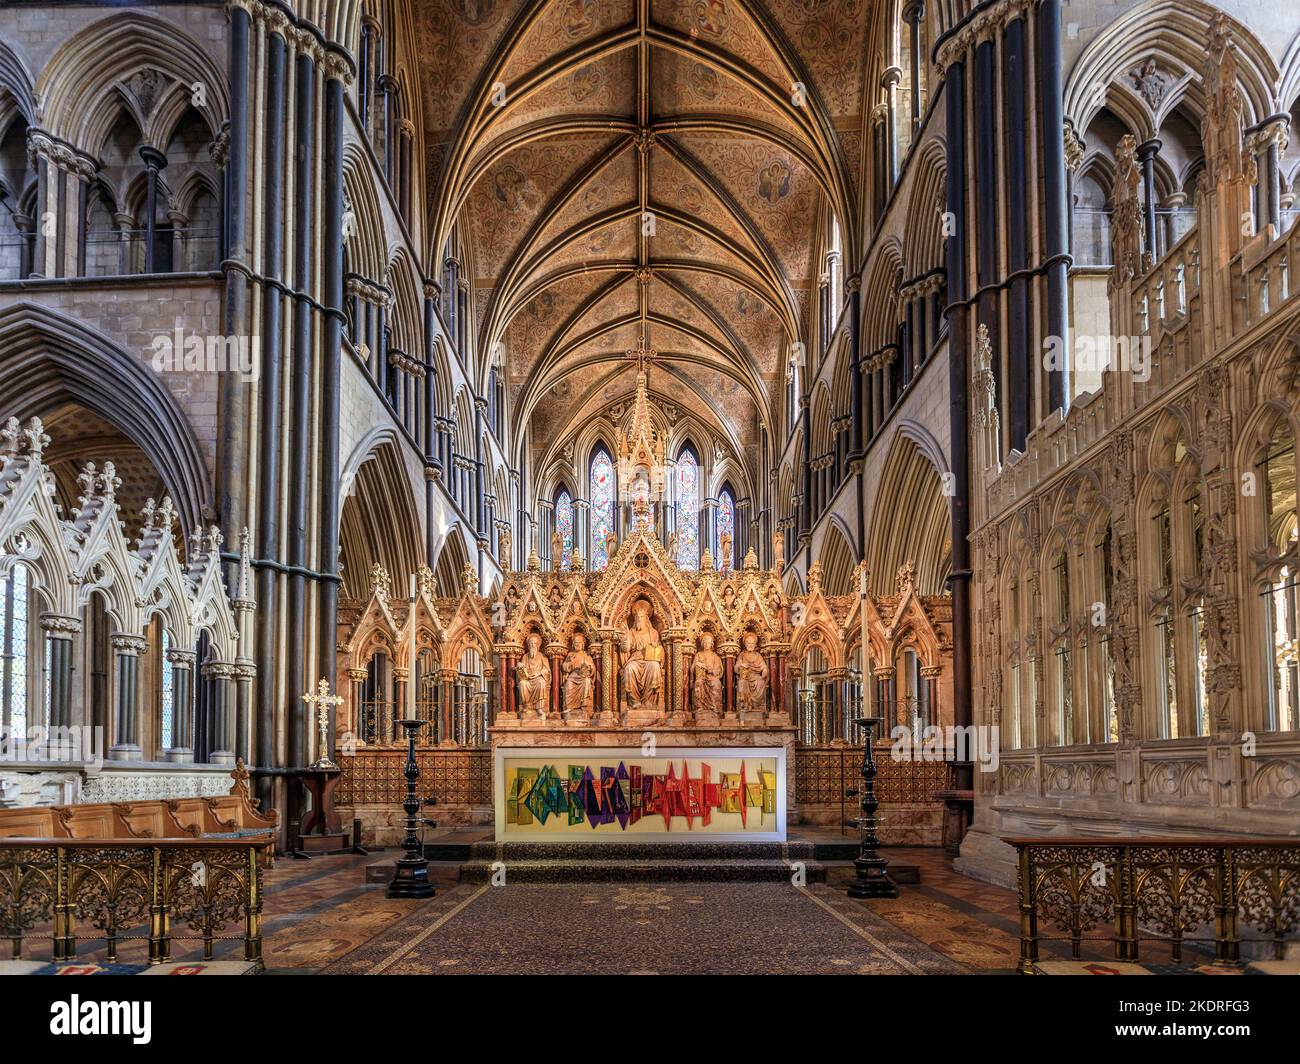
[631,870]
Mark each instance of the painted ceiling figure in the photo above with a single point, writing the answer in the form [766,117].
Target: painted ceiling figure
[643,657]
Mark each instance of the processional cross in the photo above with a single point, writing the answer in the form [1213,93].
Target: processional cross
[323,701]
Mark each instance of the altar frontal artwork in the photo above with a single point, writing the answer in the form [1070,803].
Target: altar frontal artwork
[577,796]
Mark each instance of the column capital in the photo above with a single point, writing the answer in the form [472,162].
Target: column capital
[57,626]
[132,645]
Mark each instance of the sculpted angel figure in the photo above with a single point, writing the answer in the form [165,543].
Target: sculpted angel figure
[643,658]
[751,678]
[579,673]
[533,678]
[706,670]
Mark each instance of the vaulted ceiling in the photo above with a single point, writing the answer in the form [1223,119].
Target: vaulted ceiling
[643,173]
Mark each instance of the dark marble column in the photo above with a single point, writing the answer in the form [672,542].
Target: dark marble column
[1146,154]
[182,748]
[126,659]
[272,398]
[1056,207]
[155,162]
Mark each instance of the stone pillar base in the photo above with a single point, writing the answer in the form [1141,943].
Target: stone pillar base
[644,718]
[221,757]
[778,720]
[506,720]
[126,752]
[605,719]
[730,720]
[179,755]
[752,720]
[679,720]
[706,719]
[576,720]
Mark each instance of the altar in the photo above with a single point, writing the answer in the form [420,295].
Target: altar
[640,700]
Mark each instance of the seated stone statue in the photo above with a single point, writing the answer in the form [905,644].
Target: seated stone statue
[643,658]
[706,670]
[579,673]
[533,679]
[751,679]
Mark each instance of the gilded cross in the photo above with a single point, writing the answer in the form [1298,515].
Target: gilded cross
[322,701]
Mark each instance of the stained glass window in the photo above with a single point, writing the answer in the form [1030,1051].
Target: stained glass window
[564,523]
[727,524]
[688,511]
[602,507]
[13,648]
[168,693]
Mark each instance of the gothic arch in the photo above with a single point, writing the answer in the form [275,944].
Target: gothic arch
[909,516]
[81,87]
[378,523]
[51,359]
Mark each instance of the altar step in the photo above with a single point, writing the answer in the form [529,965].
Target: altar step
[545,862]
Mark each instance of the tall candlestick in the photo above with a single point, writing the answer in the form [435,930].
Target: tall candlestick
[862,618]
[411,670]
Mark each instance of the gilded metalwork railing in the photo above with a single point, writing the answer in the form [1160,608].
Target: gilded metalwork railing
[159,890]
[1170,891]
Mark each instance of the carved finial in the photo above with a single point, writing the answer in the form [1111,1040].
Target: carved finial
[469,579]
[751,559]
[213,540]
[778,550]
[815,577]
[87,479]
[109,481]
[577,563]
[534,562]
[906,577]
[149,512]
[425,579]
[381,585]
[10,434]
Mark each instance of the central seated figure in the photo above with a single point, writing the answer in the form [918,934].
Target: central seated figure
[643,663]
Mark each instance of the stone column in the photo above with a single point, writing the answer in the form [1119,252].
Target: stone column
[182,749]
[1268,141]
[1146,154]
[930,674]
[555,652]
[687,648]
[674,700]
[360,726]
[445,727]
[126,658]
[885,696]
[59,634]
[912,15]
[778,713]
[729,650]
[889,82]
[221,730]
[155,162]
[506,716]
[607,714]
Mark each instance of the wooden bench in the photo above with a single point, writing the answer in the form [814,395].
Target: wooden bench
[233,815]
